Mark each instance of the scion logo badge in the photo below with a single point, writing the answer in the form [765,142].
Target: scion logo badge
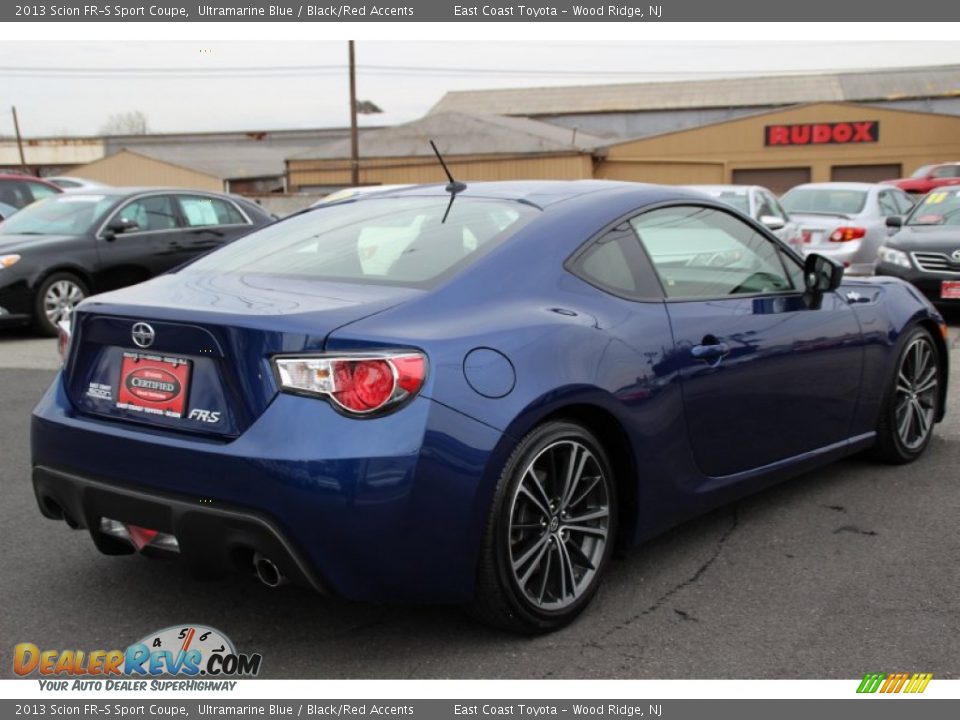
[956,256]
[142,334]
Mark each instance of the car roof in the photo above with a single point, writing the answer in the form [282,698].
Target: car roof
[32,178]
[737,189]
[541,193]
[114,191]
[843,186]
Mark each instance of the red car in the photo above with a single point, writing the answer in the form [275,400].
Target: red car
[928,177]
[20,190]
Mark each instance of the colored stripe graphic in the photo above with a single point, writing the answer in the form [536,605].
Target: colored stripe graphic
[871,682]
[894,682]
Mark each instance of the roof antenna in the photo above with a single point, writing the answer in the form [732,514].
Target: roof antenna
[453,187]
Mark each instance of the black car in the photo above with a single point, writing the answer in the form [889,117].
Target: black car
[926,250]
[63,248]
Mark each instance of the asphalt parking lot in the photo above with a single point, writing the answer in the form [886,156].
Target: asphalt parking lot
[846,570]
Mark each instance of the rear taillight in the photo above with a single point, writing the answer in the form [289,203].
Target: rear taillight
[63,340]
[357,384]
[846,234]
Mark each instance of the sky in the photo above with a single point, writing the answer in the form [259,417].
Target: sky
[71,88]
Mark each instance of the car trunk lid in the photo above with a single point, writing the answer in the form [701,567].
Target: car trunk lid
[191,353]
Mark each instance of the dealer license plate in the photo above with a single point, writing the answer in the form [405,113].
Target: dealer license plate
[950,290]
[153,384]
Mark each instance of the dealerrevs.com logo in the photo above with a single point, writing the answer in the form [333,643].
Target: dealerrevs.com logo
[180,651]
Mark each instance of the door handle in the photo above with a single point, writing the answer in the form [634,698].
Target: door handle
[710,351]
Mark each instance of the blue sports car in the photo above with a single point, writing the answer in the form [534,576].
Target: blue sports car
[473,395]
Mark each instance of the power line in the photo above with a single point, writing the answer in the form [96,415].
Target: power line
[245,72]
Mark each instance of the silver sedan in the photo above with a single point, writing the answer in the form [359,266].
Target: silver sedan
[759,203]
[846,221]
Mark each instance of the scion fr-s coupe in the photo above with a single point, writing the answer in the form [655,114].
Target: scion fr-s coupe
[540,372]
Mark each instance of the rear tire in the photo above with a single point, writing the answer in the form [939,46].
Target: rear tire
[912,401]
[550,532]
[57,298]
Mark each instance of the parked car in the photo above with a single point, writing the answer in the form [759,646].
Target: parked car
[846,221]
[929,177]
[20,190]
[487,420]
[70,184]
[926,250]
[759,203]
[59,250]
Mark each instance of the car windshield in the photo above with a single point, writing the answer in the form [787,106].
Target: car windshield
[922,172]
[58,215]
[401,241]
[940,207]
[825,201]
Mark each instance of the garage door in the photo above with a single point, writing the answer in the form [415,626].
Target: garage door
[865,173]
[777,179]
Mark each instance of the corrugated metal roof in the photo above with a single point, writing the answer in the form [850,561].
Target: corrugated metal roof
[459,134]
[228,155]
[227,161]
[937,81]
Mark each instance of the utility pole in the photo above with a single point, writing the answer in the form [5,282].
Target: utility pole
[354,144]
[16,127]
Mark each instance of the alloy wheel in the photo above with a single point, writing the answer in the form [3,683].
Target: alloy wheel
[559,525]
[916,393]
[60,300]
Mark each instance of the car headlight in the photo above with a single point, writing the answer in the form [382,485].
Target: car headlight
[893,256]
[8,260]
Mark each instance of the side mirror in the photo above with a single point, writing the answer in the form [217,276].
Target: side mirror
[119,226]
[895,221]
[821,274]
[772,222]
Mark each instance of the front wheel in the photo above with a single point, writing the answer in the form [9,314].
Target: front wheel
[913,401]
[550,532]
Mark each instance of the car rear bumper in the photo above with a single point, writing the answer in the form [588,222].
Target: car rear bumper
[929,283]
[209,538]
[855,258]
[385,509]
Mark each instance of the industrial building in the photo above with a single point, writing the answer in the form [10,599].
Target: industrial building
[817,142]
[475,147]
[632,110]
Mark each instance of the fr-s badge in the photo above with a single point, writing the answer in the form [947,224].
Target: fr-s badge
[207,416]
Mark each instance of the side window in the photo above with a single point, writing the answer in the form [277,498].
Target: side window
[151,213]
[904,202]
[705,253]
[887,205]
[40,190]
[615,263]
[775,207]
[15,193]
[763,206]
[206,211]
[945,171]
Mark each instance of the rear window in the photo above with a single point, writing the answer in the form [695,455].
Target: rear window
[403,241]
[827,201]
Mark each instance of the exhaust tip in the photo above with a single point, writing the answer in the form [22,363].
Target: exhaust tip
[51,508]
[267,571]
